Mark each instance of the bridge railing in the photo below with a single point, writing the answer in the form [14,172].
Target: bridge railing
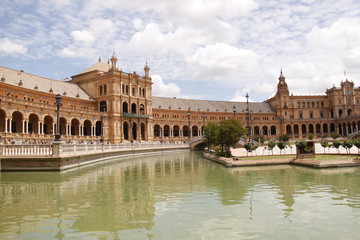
[75,149]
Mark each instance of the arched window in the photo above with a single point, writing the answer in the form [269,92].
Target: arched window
[104,89]
[125,107]
[142,109]
[133,108]
[103,106]
[100,90]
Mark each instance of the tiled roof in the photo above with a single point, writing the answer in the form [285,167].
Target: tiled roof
[209,106]
[41,84]
[100,66]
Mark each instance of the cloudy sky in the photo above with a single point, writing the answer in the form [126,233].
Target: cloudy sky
[203,49]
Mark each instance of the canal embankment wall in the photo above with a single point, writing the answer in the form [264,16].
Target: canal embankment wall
[60,163]
[238,162]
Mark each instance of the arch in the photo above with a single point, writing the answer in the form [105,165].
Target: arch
[265,130]
[2,120]
[63,123]
[166,131]
[87,128]
[142,131]
[103,106]
[48,124]
[257,130]
[186,132]
[125,107]
[296,130]
[349,128]
[354,129]
[195,131]
[344,129]
[16,122]
[303,129]
[332,127]
[288,129]
[33,123]
[331,113]
[98,128]
[273,130]
[340,113]
[134,131]
[156,130]
[341,132]
[325,128]
[126,130]
[176,131]
[311,128]
[142,109]
[74,129]
[133,108]
[318,129]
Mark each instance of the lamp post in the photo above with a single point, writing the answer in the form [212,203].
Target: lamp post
[102,129]
[58,99]
[203,117]
[189,131]
[248,116]
[234,110]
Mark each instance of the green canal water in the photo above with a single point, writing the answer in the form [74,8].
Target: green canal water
[180,195]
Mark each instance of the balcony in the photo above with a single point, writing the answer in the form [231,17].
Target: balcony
[134,115]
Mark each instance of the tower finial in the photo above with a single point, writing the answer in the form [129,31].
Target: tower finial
[113,60]
[146,69]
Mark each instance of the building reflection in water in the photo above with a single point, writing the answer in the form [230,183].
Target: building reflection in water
[106,199]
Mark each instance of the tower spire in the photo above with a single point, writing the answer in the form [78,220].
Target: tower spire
[113,60]
[147,69]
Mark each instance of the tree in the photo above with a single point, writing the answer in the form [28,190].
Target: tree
[229,133]
[210,133]
[347,144]
[281,146]
[301,145]
[271,145]
[335,135]
[284,138]
[357,144]
[311,136]
[336,144]
[324,144]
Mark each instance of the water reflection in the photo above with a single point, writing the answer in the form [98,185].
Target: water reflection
[178,194]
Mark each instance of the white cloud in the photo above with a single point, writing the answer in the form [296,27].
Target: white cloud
[164,90]
[222,61]
[83,36]
[8,47]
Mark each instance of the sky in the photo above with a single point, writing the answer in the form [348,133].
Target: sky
[199,49]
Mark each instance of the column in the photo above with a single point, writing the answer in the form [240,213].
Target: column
[53,128]
[27,126]
[6,125]
[23,126]
[80,130]
[67,129]
[10,125]
[39,128]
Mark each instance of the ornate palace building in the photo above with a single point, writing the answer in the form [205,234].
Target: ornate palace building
[105,102]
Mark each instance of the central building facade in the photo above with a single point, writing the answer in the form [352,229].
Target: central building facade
[103,102]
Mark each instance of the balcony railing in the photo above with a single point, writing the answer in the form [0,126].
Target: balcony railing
[134,115]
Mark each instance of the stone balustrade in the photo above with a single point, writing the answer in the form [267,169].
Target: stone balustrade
[77,149]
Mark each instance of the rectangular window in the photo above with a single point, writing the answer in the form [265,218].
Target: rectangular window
[311,114]
[132,91]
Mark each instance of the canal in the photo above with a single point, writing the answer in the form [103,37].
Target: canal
[180,195]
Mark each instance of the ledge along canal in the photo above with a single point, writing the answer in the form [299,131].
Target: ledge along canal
[180,195]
